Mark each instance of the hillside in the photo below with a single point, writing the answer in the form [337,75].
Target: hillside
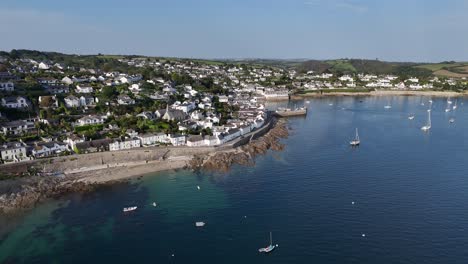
[449,69]
[350,66]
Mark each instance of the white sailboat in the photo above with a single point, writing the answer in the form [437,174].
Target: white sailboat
[455,105]
[270,248]
[448,105]
[356,140]
[427,127]
[388,106]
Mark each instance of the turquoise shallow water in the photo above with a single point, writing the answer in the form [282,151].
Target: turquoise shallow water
[409,188]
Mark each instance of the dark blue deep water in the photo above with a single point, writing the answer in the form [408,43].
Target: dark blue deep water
[410,190]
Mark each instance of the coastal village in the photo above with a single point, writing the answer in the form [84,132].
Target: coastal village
[49,108]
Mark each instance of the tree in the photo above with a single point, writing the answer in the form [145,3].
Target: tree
[108,93]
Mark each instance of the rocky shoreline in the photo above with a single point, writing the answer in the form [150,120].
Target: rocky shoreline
[25,193]
[244,155]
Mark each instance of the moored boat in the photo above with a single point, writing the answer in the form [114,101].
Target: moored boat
[356,141]
[427,127]
[129,209]
[285,112]
[269,248]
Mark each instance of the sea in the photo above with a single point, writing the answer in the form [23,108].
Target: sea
[400,197]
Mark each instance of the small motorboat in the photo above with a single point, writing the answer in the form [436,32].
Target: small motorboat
[270,248]
[387,106]
[411,117]
[307,102]
[452,120]
[199,224]
[447,110]
[198,187]
[129,209]
[155,204]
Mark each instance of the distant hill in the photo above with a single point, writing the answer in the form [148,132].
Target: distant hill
[350,66]
[339,66]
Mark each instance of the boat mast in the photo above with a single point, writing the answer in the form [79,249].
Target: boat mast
[429,119]
[357,135]
[271,240]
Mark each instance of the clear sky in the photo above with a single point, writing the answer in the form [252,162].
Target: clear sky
[395,30]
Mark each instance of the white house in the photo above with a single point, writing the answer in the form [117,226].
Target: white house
[67,80]
[84,89]
[72,101]
[177,140]
[223,99]
[232,134]
[7,86]
[135,88]
[72,140]
[244,129]
[47,149]
[90,120]
[124,99]
[212,140]
[127,143]
[15,102]
[17,127]
[152,139]
[195,141]
[13,151]
[87,100]
[43,66]
[186,107]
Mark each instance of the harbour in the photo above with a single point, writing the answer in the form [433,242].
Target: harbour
[397,198]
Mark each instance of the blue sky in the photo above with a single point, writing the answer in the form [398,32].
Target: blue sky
[395,30]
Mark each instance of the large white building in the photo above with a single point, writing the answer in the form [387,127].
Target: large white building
[152,139]
[127,143]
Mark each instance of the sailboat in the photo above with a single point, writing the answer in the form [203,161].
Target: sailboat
[428,125]
[270,248]
[356,140]
[455,105]
[448,105]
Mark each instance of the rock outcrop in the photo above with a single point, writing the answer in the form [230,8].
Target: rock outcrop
[244,155]
[37,189]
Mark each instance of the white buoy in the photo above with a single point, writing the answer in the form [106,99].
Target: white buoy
[352,202]
[245,216]
[172,255]
[198,187]
[154,204]
[363,235]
